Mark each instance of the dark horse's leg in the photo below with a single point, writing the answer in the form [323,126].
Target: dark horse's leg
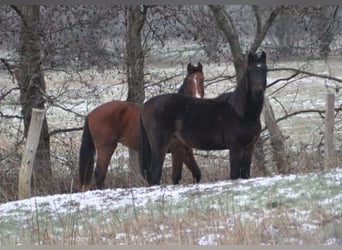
[235,156]
[246,162]
[240,162]
[104,152]
[158,152]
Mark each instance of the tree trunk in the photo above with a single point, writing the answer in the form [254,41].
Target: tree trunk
[135,54]
[32,89]
[135,19]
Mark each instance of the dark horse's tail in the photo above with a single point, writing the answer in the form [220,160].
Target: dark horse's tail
[86,160]
[144,153]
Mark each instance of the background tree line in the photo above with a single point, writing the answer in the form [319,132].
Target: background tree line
[37,39]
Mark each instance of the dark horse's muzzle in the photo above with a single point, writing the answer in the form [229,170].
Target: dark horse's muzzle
[258,92]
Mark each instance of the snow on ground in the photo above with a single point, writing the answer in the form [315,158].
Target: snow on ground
[304,199]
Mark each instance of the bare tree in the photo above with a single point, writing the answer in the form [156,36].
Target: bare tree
[32,87]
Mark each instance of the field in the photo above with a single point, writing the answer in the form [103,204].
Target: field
[293,209]
[301,208]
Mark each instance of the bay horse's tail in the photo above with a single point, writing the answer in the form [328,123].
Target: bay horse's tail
[144,153]
[86,160]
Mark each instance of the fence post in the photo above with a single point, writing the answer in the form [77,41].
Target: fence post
[277,138]
[25,173]
[329,131]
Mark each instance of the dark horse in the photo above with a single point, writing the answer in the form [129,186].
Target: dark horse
[118,121]
[230,121]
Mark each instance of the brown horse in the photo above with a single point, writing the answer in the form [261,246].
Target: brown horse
[230,121]
[118,121]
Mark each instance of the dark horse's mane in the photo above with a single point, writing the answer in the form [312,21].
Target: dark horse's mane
[190,70]
[236,98]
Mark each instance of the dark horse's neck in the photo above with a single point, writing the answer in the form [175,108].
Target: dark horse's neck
[253,106]
[246,105]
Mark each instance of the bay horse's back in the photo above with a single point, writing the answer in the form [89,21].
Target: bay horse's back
[116,121]
[104,127]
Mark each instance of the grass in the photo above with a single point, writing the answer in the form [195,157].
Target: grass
[295,209]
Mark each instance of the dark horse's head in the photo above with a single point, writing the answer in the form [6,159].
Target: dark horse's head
[250,91]
[256,74]
[193,82]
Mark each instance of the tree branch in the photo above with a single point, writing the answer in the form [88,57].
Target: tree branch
[10,116]
[263,29]
[20,14]
[227,27]
[7,93]
[320,112]
[283,79]
[299,71]
[65,130]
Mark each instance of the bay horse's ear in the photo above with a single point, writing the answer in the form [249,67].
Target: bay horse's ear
[263,57]
[199,67]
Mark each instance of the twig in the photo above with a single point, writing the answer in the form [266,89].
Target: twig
[65,130]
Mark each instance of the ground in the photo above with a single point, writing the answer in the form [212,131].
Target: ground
[293,209]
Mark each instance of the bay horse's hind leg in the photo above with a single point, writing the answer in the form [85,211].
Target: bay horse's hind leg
[191,163]
[104,154]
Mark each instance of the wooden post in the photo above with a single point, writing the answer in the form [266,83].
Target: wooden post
[25,173]
[329,131]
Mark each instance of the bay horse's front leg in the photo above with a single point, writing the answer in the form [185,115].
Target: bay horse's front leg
[178,154]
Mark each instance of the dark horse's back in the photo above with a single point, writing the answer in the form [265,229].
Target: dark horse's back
[188,117]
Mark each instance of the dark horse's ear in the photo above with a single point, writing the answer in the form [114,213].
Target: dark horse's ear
[199,67]
[251,57]
[189,68]
[263,57]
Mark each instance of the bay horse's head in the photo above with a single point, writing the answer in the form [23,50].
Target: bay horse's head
[256,75]
[193,83]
